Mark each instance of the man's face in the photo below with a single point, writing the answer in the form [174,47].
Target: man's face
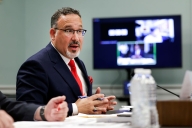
[68,46]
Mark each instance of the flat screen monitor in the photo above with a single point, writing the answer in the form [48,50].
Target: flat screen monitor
[137,42]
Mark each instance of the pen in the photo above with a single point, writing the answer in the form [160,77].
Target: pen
[82,97]
[99,99]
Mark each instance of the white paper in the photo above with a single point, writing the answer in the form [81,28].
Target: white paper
[73,122]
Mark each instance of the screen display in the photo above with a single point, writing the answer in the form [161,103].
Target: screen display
[137,42]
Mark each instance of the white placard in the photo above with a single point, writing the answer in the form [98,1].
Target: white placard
[186,89]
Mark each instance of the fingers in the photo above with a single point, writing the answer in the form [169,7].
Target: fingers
[110,105]
[61,106]
[95,96]
[56,109]
[110,108]
[6,121]
[100,102]
[110,97]
[98,90]
[99,110]
[61,114]
[58,115]
[92,105]
[58,99]
[113,103]
[86,105]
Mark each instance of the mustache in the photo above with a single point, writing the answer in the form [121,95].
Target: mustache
[76,43]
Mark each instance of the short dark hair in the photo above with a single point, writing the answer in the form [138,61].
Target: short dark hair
[62,11]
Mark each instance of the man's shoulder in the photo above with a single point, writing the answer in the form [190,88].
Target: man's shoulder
[38,55]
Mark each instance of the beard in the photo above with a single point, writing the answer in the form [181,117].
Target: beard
[72,55]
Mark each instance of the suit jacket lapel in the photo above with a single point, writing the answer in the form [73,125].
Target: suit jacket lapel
[85,76]
[62,69]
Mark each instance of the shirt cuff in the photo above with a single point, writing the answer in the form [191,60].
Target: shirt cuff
[75,109]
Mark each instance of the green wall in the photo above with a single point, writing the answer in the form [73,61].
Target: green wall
[29,23]
[12,43]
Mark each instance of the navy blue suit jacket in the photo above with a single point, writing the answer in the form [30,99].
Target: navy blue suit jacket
[20,111]
[45,75]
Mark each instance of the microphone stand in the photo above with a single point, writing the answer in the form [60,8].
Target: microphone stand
[168,91]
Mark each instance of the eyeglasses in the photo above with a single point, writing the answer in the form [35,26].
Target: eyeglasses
[70,32]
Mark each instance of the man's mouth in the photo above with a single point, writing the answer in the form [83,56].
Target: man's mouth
[73,47]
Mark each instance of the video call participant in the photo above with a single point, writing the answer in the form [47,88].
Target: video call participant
[124,50]
[10,111]
[56,70]
[154,37]
[138,52]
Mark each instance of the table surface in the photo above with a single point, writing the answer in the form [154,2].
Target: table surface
[82,121]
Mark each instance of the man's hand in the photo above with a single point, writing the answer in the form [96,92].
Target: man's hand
[98,90]
[6,121]
[55,110]
[110,104]
[90,105]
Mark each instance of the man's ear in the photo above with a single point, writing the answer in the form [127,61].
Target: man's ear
[52,34]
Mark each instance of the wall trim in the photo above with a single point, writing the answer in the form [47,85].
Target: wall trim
[111,90]
[8,89]
[120,86]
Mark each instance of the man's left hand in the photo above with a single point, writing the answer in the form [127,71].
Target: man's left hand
[110,104]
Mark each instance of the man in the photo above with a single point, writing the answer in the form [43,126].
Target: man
[56,70]
[55,110]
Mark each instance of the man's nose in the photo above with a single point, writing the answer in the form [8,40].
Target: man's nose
[75,36]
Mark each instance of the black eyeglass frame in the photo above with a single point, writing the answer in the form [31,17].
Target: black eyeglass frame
[83,30]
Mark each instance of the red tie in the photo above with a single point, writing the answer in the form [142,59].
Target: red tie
[74,72]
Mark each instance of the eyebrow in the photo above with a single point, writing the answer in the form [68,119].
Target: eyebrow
[69,26]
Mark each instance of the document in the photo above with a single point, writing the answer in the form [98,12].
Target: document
[74,124]
[79,121]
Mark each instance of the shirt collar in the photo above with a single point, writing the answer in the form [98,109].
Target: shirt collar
[65,59]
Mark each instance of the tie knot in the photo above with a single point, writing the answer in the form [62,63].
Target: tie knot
[71,63]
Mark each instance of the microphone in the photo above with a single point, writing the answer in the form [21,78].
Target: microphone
[168,91]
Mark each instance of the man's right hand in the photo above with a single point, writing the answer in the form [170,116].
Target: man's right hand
[6,121]
[88,105]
